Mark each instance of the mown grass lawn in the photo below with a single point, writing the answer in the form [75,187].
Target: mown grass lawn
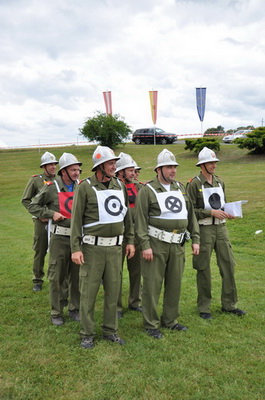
[219,359]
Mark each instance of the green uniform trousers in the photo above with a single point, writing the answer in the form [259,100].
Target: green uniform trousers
[134,269]
[215,237]
[40,246]
[167,266]
[102,263]
[62,269]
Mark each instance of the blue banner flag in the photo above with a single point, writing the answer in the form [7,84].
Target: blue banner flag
[201,100]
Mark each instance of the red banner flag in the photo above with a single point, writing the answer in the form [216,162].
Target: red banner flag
[108,103]
[153,103]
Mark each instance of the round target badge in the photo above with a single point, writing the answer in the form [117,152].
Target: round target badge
[65,203]
[113,206]
[215,201]
[173,204]
[68,204]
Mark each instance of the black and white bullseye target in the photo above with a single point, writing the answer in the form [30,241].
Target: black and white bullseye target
[113,206]
[215,201]
[173,204]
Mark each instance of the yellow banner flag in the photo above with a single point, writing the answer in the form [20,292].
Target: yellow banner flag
[153,103]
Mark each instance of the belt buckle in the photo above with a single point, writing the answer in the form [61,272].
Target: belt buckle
[160,235]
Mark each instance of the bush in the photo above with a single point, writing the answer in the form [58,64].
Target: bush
[196,145]
[255,141]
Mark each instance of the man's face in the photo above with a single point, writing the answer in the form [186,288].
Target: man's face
[50,169]
[167,173]
[110,168]
[210,167]
[129,174]
[73,172]
[136,172]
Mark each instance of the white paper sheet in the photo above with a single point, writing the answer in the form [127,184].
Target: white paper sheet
[235,208]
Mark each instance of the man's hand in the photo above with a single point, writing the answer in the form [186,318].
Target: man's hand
[148,254]
[220,214]
[129,251]
[43,219]
[195,249]
[57,217]
[78,257]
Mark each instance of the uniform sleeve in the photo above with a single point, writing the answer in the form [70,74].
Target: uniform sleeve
[30,191]
[39,206]
[141,219]
[196,198]
[78,209]
[193,226]
[128,221]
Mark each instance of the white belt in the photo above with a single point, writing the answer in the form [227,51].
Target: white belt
[60,230]
[169,237]
[211,221]
[103,241]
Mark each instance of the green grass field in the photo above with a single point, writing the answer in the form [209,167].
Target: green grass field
[222,359]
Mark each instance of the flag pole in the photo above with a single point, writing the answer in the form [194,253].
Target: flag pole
[201,109]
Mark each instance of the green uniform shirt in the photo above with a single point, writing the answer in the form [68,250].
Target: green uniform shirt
[34,185]
[46,202]
[147,207]
[194,190]
[85,211]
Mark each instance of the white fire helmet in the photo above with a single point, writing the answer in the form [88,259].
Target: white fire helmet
[136,167]
[66,160]
[124,162]
[206,155]
[48,158]
[101,155]
[165,158]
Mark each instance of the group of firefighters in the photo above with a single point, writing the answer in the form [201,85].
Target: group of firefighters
[91,226]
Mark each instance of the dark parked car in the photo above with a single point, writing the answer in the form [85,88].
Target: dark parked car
[146,135]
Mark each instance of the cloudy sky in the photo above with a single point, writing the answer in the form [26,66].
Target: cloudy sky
[58,56]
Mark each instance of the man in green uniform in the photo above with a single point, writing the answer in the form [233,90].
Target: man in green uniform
[40,238]
[207,193]
[163,215]
[100,221]
[54,202]
[125,171]
[137,171]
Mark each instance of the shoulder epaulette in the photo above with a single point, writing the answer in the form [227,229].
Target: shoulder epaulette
[37,175]
[81,180]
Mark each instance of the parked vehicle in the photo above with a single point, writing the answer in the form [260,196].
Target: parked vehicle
[147,135]
[239,134]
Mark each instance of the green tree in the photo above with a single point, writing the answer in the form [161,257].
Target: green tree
[240,128]
[108,130]
[255,141]
[196,145]
[210,131]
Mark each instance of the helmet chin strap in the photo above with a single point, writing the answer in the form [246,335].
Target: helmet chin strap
[166,180]
[69,175]
[124,177]
[44,167]
[102,170]
[207,170]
